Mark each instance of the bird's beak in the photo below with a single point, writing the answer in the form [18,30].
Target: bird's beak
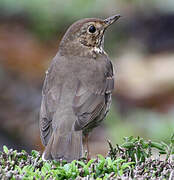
[111,20]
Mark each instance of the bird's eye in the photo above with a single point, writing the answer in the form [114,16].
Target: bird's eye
[92,29]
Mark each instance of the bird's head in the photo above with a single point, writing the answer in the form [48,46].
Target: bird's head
[86,34]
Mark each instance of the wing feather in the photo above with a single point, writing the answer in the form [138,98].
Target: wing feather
[50,97]
[92,106]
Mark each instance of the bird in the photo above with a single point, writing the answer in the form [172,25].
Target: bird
[77,90]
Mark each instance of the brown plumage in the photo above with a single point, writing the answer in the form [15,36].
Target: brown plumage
[77,89]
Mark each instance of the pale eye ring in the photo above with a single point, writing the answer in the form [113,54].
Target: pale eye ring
[92,29]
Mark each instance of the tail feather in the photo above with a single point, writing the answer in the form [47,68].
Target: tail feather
[61,146]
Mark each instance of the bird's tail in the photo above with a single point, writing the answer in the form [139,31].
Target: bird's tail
[64,146]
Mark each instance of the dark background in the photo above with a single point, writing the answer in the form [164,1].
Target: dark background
[140,44]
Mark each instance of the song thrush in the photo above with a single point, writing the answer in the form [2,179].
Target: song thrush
[77,90]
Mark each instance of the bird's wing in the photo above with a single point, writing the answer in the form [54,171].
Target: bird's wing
[50,97]
[88,104]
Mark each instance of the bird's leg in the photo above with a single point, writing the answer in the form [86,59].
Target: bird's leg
[87,146]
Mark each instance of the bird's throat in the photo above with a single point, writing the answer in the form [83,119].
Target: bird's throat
[98,50]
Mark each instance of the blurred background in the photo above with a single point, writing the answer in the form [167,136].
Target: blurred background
[140,45]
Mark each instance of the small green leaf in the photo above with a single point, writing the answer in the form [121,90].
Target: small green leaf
[81,163]
[5,149]
[18,169]
[109,162]
[162,152]
[90,162]
[172,139]
[120,172]
[101,157]
[128,145]
[158,146]
[34,153]
[127,165]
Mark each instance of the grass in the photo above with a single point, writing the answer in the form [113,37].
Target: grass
[133,159]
